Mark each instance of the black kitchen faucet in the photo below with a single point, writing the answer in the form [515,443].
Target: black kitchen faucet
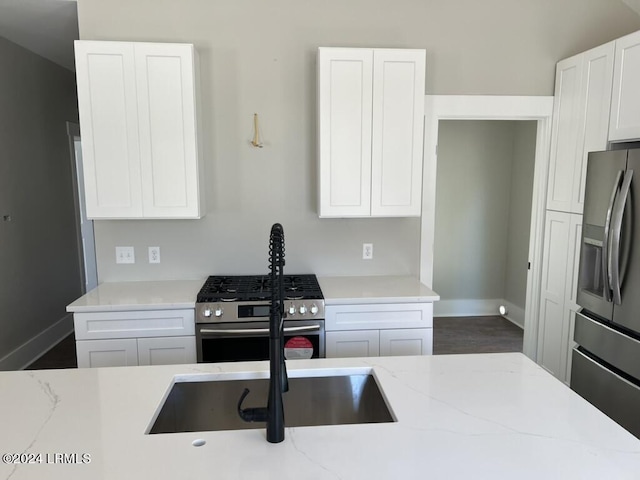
[273,414]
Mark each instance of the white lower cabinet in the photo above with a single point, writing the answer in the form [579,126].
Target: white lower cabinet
[558,292]
[125,352]
[358,343]
[166,350]
[114,339]
[379,343]
[119,352]
[372,330]
[408,341]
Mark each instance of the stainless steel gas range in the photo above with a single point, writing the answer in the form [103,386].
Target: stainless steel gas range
[232,318]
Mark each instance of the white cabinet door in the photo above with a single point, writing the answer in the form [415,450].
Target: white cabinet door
[122,352]
[360,343]
[625,101]
[564,133]
[398,123]
[166,350]
[594,118]
[109,123]
[571,291]
[558,291]
[409,341]
[344,131]
[370,131]
[580,123]
[141,150]
[166,93]
[552,292]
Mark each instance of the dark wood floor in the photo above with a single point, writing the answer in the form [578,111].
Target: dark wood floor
[63,355]
[450,335]
[491,334]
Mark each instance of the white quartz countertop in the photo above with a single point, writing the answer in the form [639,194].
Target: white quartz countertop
[375,289]
[491,416]
[176,294]
[122,296]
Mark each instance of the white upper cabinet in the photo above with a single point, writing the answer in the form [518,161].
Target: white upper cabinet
[580,123]
[140,144]
[625,101]
[345,92]
[370,131]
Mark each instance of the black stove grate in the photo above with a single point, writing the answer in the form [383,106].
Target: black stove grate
[245,288]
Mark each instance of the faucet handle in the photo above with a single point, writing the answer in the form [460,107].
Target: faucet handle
[251,414]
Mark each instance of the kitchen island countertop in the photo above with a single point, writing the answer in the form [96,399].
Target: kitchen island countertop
[496,416]
[374,289]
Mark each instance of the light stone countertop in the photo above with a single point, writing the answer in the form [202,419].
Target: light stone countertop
[124,296]
[375,289]
[177,294]
[491,416]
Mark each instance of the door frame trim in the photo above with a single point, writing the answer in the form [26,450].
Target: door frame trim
[491,107]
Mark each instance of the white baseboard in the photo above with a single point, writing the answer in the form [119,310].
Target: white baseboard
[466,307]
[34,348]
[514,314]
[478,308]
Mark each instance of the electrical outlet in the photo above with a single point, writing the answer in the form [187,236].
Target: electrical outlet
[367,251]
[154,254]
[125,255]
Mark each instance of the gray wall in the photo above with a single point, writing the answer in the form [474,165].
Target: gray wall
[484,188]
[472,209]
[522,169]
[39,265]
[259,57]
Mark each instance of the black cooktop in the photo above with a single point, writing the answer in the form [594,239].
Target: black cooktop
[246,288]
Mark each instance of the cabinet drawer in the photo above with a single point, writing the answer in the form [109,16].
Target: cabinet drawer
[378,316]
[134,324]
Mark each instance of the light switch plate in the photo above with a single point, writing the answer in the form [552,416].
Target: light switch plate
[125,255]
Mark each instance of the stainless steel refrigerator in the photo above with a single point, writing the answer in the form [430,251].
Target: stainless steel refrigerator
[606,363]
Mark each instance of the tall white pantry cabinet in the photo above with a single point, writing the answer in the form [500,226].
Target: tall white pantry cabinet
[597,101]
[580,125]
[370,131]
[140,144]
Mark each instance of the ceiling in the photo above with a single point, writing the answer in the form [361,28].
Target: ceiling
[46,27]
[49,27]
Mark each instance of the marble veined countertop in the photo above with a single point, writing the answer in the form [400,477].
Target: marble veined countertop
[125,296]
[176,294]
[375,289]
[491,416]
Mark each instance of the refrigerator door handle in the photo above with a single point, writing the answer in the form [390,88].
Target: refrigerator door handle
[606,254]
[616,229]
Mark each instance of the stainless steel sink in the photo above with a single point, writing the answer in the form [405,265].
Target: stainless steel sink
[318,400]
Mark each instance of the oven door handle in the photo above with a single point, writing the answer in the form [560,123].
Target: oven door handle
[244,331]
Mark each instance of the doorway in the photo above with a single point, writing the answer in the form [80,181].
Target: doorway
[84,226]
[536,109]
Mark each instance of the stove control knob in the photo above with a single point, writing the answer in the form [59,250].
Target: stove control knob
[292,309]
[218,312]
[206,312]
[313,309]
[303,309]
